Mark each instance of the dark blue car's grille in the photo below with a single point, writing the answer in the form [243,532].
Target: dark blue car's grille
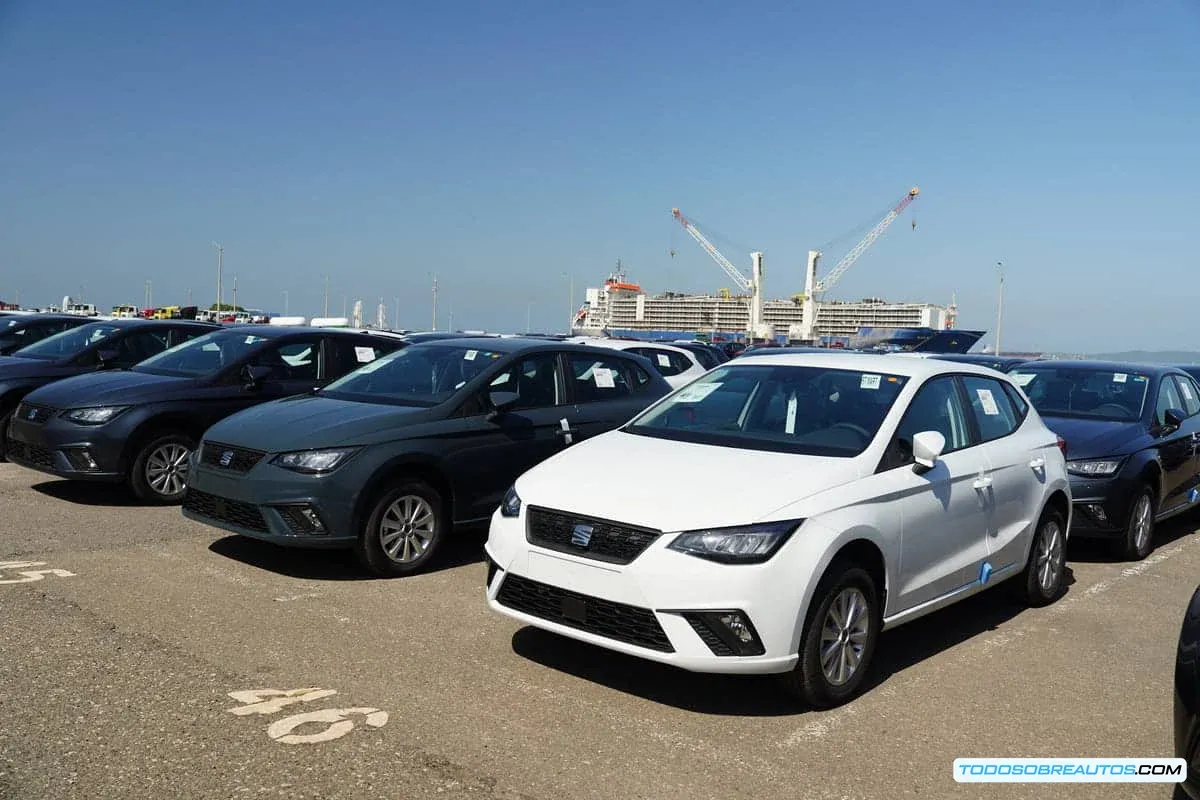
[231,512]
[28,412]
[30,454]
[226,456]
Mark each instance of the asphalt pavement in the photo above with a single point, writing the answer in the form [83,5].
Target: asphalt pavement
[143,655]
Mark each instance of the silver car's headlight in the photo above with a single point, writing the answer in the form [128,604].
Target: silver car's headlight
[314,462]
[97,415]
[746,544]
[1094,467]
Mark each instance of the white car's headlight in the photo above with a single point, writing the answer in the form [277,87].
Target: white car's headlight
[97,415]
[747,544]
[314,462]
[511,507]
[1094,468]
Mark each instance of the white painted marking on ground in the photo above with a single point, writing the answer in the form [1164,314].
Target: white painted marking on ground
[818,728]
[281,730]
[283,698]
[30,575]
[290,598]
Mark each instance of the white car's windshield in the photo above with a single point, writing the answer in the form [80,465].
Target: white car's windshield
[782,408]
[204,355]
[68,343]
[1084,392]
[419,375]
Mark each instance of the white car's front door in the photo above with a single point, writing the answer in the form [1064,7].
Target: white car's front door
[944,509]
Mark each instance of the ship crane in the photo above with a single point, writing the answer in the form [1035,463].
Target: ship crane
[750,285]
[814,287]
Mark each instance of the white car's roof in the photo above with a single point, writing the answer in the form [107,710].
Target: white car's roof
[626,344]
[861,362]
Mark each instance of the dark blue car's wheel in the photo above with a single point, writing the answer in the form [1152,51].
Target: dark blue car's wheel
[404,530]
[5,418]
[1139,532]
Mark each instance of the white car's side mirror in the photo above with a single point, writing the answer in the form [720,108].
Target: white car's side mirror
[927,448]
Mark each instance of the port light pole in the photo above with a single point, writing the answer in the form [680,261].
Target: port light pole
[999,305]
[220,257]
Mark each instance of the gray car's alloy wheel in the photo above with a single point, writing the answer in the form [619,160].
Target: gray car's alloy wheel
[1139,532]
[400,537]
[5,419]
[840,633]
[160,469]
[1042,580]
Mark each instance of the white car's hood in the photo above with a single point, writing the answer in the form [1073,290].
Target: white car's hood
[672,485]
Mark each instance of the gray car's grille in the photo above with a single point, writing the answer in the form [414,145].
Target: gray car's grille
[231,512]
[226,456]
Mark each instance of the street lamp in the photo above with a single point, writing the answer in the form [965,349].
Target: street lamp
[1000,305]
[220,255]
[570,302]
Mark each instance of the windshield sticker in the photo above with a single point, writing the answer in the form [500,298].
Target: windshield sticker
[696,392]
[1120,377]
[1139,377]
[1023,378]
[470,356]
[664,360]
[988,402]
[1187,390]
[790,428]
[603,378]
[364,354]
[253,339]
[869,382]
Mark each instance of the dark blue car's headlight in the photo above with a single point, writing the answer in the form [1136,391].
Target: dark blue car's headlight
[511,507]
[95,415]
[745,544]
[314,462]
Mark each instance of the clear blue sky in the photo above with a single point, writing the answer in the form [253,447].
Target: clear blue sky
[503,144]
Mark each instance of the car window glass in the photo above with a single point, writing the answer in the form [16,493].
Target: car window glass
[423,374]
[1168,397]
[181,335]
[666,362]
[290,361]
[139,346]
[1014,396]
[597,377]
[1084,392]
[1190,394]
[534,380]
[935,407]
[706,359]
[350,354]
[991,407]
[69,342]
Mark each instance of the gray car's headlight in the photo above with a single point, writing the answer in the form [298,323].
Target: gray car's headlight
[747,544]
[1094,467]
[97,415]
[314,462]
[511,507]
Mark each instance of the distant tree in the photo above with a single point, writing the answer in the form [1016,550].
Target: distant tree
[225,307]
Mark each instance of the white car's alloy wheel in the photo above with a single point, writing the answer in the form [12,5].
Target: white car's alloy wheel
[844,636]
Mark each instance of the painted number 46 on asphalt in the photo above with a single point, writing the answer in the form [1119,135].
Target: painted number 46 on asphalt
[338,721]
[26,575]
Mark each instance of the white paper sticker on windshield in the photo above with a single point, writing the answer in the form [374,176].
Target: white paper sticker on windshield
[870,382]
[1120,377]
[1023,378]
[696,392]
[791,415]
[664,360]
[364,354]
[603,378]
[988,402]
[470,356]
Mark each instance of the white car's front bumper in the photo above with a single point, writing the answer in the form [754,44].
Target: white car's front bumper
[658,585]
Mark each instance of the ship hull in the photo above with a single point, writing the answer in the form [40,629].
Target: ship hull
[924,340]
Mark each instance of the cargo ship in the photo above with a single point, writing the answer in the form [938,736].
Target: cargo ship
[623,309]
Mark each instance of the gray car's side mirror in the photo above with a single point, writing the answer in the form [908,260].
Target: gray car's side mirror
[927,449]
[1174,417]
[255,374]
[501,402]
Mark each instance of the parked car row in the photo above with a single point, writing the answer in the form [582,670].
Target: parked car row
[873,489]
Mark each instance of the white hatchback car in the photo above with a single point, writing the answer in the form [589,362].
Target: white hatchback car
[676,365]
[870,490]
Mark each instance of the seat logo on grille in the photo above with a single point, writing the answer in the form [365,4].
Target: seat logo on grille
[581,536]
[226,458]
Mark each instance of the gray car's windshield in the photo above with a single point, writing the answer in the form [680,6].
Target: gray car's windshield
[419,375]
[781,408]
[1085,392]
[204,355]
[68,343]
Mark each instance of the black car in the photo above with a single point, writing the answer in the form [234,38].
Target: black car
[1187,696]
[708,355]
[388,459]
[21,330]
[998,363]
[1132,435]
[108,345]
[141,426]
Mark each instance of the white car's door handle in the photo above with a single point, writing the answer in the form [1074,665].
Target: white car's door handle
[1037,463]
[982,482]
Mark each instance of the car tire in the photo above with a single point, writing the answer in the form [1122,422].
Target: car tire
[1138,541]
[5,419]
[404,530]
[159,472]
[844,586]
[1041,582]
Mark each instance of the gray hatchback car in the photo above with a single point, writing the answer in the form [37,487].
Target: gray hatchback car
[390,458]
